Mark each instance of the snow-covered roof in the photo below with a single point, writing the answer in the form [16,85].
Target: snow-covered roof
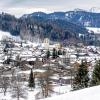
[72,56]
[35,70]
[67,77]
[31,59]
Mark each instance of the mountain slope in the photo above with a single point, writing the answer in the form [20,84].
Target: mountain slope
[29,27]
[77,16]
[5,35]
[63,27]
[92,93]
[9,23]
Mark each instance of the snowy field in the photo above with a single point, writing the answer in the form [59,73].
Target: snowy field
[32,95]
[92,93]
[94,29]
[4,35]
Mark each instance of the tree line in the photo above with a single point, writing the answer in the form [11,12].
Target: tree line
[85,78]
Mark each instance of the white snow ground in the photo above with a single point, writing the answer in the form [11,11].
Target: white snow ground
[3,35]
[94,29]
[92,93]
[32,94]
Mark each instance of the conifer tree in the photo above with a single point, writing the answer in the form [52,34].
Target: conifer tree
[64,52]
[59,52]
[31,80]
[54,53]
[81,78]
[48,54]
[96,74]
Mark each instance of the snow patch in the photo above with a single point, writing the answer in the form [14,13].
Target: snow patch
[93,29]
[92,93]
[4,35]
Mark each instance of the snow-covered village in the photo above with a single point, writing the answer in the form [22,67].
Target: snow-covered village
[49,49]
[32,71]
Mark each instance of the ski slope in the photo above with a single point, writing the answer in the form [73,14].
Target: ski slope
[92,93]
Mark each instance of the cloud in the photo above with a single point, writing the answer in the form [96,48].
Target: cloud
[18,12]
[20,7]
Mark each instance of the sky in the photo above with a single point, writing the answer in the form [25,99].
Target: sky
[20,7]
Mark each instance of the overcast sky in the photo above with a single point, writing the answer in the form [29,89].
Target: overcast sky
[20,7]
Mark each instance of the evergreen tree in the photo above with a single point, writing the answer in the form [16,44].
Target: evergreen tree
[59,52]
[96,74]
[31,80]
[48,54]
[54,53]
[64,52]
[81,78]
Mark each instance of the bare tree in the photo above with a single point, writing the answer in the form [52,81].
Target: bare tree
[45,83]
[19,91]
[4,83]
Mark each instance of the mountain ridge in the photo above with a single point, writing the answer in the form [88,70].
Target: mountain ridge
[57,26]
[78,16]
